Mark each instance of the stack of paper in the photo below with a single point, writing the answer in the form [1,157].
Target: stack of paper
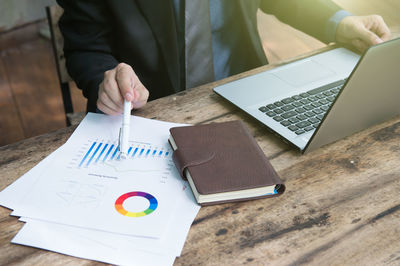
[85,201]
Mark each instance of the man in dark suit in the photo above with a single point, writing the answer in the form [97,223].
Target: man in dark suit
[124,49]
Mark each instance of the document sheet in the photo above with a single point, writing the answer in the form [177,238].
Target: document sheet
[134,211]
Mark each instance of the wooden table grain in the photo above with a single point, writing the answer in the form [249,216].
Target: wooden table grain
[341,206]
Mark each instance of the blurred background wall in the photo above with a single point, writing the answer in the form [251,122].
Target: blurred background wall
[14,13]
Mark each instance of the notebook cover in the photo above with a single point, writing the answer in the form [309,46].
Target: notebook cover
[222,157]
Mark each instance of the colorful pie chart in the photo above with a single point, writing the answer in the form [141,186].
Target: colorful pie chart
[120,201]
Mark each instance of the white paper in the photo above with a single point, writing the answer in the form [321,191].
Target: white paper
[171,243]
[173,240]
[111,247]
[11,195]
[82,186]
[66,241]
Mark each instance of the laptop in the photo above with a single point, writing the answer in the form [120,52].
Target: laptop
[325,97]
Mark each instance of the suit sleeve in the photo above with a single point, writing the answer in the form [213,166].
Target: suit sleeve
[309,16]
[88,41]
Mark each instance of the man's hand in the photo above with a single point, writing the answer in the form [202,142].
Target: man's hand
[118,84]
[362,31]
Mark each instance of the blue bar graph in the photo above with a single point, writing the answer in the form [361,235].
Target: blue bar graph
[141,152]
[91,158]
[135,151]
[107,152]
[87,154]
[98,157]
[115,152]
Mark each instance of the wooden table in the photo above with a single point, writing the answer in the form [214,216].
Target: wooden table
[341,206]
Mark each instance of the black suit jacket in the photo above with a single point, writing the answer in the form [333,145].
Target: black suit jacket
[98,34]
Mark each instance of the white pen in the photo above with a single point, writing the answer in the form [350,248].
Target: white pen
[124,130]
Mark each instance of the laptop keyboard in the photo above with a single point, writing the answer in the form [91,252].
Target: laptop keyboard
[303,112]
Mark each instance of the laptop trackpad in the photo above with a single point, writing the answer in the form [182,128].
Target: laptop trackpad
[274,83]
[253,89]
[302,73]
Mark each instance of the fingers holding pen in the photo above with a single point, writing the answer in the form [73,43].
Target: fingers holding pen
[141,95]
[125,79]
[109,99]
[119,84]
[131,88]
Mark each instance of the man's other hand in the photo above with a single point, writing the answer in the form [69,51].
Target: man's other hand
[118,84]
[362,31]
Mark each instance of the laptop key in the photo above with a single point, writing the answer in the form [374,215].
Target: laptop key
[296,97]
[301,117]
[271,106]
[320,96]
[270,113]
[325,107]
[297,104]
[309,128]
[279,104]
[278,118]
[312,98]
[263,109]
[278,111]
[318,90]
[289,114]
[293,120]
[300,110]
[308,107]
[304,101]
[299,132]
[313,120]
[288,107]
[303,124]
[293,128]
[304,94]
[309,114]
[287,100]
[331,98]
[318,111]
[323,101]
[285,123]
[320,116]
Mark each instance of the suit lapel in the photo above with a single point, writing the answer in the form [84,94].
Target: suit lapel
[160,16]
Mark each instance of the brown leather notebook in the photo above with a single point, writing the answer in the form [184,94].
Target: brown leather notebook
[223,163]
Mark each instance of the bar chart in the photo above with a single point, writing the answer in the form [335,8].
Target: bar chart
[100,152]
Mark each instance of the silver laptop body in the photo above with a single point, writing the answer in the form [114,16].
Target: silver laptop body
[325,97]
